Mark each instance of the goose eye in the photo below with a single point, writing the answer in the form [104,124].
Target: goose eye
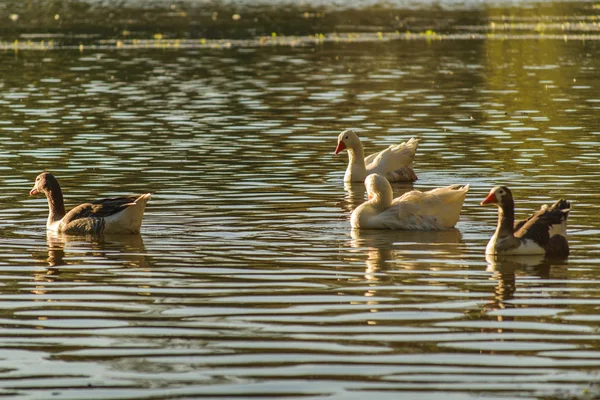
[346,137]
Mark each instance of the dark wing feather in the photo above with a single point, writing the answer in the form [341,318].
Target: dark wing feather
[99,208]
[537,226]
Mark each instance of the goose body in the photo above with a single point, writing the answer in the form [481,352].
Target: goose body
[394,163]
[415,210]
[544,232]
[110,216]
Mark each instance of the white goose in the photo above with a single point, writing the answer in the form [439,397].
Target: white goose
[395,162]
[116,215]
[545,232]
[436,209]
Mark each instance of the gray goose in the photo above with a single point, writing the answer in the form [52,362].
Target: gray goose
[115,215]
[545,232]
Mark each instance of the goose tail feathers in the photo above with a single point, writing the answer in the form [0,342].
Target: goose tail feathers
[130,219]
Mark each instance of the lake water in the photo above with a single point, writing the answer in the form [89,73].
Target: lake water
[247,280]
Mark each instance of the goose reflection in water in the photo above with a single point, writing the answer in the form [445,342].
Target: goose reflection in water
[128,249]
[385,246]
[356,191]
[504,270]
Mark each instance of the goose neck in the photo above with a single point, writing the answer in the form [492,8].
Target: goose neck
[356,155]
[382,200]
[56,204]
[506,219]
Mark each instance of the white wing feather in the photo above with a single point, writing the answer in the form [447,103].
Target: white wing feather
[393,158]
[436,209]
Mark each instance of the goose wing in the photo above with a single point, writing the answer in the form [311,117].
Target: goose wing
[393,158]
[547,228]
[436,209]
[99,208]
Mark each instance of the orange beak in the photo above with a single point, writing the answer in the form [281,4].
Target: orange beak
[341,146]
[33,192]
[491,199]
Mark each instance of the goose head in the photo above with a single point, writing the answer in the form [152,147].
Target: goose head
[379,190]
[347,140]
[499,195]
[44,183]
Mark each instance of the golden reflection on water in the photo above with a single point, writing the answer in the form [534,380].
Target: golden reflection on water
[504,273]
[508,271]
[383,246]
[246,271]
[129,250]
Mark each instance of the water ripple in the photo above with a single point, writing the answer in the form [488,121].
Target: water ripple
[246,279]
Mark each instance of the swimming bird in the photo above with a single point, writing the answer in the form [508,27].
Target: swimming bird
[395,163]
[115,215]
[415,210]
[545,232]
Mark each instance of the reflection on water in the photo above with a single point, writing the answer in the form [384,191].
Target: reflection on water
[382,246]
[128,24]
[66,252]
[128,249]
[356,194]
[504,271]
[511,274]
[247,280]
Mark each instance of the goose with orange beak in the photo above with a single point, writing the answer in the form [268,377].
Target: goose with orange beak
[544,232]
[394,163]
[116,215]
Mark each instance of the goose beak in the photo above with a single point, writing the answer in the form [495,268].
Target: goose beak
[490,199]
[341,146]
[33,192]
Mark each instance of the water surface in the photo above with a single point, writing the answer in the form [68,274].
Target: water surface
[246,279]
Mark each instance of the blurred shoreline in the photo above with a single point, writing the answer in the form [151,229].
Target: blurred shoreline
[77,22]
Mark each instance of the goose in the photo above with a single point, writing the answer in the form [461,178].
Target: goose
[115,215]
[545,232]
[395,162]
[415,210]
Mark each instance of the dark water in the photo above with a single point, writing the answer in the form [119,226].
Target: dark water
[246,279]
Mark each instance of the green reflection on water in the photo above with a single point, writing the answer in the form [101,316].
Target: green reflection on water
[83,22]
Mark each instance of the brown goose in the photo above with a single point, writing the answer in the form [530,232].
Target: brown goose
[545,232]
[116,215]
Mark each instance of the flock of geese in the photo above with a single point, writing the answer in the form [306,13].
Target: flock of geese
[543,233]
